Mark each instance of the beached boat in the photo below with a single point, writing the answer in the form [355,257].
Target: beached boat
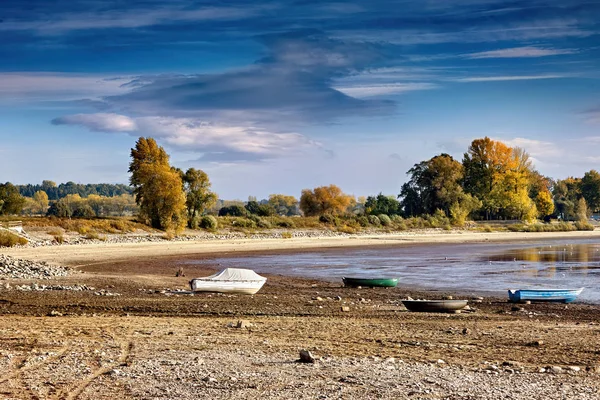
[448,306]
[230,280]
[370,282]
[554,295]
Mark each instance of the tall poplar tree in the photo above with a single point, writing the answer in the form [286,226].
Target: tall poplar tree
[158,187]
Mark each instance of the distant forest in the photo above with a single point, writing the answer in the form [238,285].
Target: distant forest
[57,192]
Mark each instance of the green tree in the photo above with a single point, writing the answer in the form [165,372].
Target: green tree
[199,197]
[382,204]
[590,189]
[434,184]
[158,187]
[11,202]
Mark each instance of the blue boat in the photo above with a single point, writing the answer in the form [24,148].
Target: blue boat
[554,295]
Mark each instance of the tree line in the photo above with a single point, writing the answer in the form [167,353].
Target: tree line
[492,181]
[55,192]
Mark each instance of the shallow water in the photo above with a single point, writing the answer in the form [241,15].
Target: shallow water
[465,268]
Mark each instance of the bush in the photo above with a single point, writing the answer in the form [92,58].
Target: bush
[59,238]
[263,223]
[385,220]
[84,211]
[328,219]
[234,211]
[9,239]
[209,222]
[286,235]
[584,226]
[243,223]
[346,229]
[362,221]
[285,223]
[374,220]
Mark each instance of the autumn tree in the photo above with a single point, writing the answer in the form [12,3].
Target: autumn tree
[324,200]
[499,176]
[158,187]
[199,197]
[284,205]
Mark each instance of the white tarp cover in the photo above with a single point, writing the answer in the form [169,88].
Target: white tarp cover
[235,274]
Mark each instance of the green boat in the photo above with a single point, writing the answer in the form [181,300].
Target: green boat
[370,282]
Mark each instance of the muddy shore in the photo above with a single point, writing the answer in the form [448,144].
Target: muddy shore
[144,342]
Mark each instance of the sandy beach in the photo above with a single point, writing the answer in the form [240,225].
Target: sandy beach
[103,252]
[124,334]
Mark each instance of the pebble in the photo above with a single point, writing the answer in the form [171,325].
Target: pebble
[17,268]
[306,357]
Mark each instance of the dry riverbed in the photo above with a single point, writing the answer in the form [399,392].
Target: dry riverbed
[116,330]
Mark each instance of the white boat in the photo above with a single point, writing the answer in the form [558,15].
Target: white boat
[230,280]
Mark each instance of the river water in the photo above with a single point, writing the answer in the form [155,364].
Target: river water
[466,268]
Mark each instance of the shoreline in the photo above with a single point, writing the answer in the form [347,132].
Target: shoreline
[101,252]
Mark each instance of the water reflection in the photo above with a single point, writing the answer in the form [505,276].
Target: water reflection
[472,268]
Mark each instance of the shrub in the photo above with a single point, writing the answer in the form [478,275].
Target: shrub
[209,222]
[328,219]
[374,220]
[346,229]
[59,238]
[363,221]
[286,235]
[9,239]
[584,226]
[84,211]
[285,223]
[243,223]
[92,235]
[234,210]
[263,223]
[385,220]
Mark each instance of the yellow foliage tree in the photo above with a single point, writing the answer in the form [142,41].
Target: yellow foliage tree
[324,200]
[158,187]
[544,203]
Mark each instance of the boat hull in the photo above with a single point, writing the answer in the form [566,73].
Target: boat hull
[248,287]
[374,282]
[444,306]
[545,295]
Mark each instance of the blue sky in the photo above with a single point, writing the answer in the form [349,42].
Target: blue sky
[278,96]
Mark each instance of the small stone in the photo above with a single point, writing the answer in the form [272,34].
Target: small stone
[555,370]
[440,361]
[574,368]
[54,313]
[306,357]
[538,343]
[209,379]
[541,370]
[517,308]
[345,308]
[243,323]
[466,331]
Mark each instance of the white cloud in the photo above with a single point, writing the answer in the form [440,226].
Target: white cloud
[384,89]
[100,122]
[24,86]
[188,134]
[520,52]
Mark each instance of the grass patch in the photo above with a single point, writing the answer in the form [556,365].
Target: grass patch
[286,235]
[8,239]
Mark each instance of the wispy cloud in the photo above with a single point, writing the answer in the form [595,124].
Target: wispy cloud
[100,122]
[128,18]
[385,89]
[30,86]
[511,78]
[592,115]
[520,52]
[216,141]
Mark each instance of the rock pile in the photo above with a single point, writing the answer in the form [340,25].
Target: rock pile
[16,268]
